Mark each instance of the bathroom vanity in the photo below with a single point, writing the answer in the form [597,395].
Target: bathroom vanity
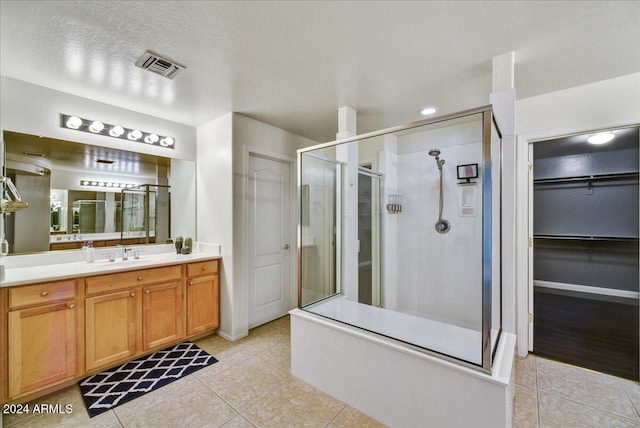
[62,322]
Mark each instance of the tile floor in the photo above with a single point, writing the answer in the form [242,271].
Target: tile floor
[251,386]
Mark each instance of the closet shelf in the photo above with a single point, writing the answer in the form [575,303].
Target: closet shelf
[594,177]
[586,237]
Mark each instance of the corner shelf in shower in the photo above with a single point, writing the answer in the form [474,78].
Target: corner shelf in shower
[594,177]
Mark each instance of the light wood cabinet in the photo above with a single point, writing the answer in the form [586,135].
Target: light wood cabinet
[162,314]
[42,349]
[203,297]
[111,327]
[58,332]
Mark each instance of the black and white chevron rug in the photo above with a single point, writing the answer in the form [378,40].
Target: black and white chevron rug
[108,389]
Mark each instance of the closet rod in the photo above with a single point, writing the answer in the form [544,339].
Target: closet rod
[586,237]
[587,178]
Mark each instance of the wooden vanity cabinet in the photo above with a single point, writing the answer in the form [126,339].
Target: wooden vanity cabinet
[203,297]
[111,324]
[162,314]
[42,348]
[56,333]
[131,312]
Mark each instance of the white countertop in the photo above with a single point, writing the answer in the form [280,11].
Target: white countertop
[56,270]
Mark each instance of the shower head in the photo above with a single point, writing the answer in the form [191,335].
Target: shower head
[434,152]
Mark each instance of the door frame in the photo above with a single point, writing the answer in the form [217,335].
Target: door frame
[524,223]
[293,215]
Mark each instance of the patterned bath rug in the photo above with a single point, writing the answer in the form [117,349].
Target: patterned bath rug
[109,389]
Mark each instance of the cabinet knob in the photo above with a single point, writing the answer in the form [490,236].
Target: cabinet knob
[190,282]
[147,291]
[204,268]
[140,278]
[44,293]
[133,294]
[72,305]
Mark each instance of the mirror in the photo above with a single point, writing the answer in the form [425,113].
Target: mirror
[78,192]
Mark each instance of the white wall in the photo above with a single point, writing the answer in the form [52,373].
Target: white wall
[33,109]
[214,212]
[606,104]
[439,275]
[252,136]
[223,147]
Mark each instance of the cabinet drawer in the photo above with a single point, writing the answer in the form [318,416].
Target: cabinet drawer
[41,293]
[117,281]
[202,268]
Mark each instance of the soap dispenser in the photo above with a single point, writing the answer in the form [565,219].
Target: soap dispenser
[90,252]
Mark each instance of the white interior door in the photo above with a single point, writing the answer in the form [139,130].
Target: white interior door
[269,239]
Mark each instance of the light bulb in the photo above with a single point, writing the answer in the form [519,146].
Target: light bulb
[74,122]
[116,131]
[85,183]
[134,135]
[151,139]
[167,142]
[96,126]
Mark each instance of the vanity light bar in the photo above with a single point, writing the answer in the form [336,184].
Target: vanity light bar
[115,131]
[107,184]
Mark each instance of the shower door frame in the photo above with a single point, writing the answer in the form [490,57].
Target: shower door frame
[488,124]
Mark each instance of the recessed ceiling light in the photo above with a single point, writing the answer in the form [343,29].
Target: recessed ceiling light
[601,138]
[428,110]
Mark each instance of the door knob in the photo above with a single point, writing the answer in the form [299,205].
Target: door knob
[286,246]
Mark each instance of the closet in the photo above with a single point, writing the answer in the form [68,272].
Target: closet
[586,268]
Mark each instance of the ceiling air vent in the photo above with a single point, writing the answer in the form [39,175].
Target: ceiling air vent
[159,65]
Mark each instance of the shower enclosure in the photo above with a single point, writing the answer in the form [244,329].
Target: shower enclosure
[375,251]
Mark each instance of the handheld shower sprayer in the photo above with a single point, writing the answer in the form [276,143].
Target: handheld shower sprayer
[442,225]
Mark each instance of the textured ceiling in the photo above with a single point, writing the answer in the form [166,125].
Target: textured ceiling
[292,64]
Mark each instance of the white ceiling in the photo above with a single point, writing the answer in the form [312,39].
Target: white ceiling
[292,64]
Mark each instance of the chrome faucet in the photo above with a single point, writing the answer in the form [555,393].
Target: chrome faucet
[125,253]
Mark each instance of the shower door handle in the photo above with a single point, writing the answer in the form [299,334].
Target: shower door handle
[285,246]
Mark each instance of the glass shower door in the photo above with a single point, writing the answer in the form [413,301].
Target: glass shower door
[320,228]
[368,237]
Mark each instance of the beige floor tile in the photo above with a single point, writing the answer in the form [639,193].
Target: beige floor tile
[584,386]
[559,412]
[247,382]
[351,418]
[238,422]
[526,371]
[78,417]
[282,323]
[228,359]
[294,405]
[214,344]
[525,414]
[198,408]
[633,392]
[263,337]
[280,355]
[179,387]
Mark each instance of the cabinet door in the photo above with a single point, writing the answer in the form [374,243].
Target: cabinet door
[42,347]
[162,314]
[203,304]
[111,328]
